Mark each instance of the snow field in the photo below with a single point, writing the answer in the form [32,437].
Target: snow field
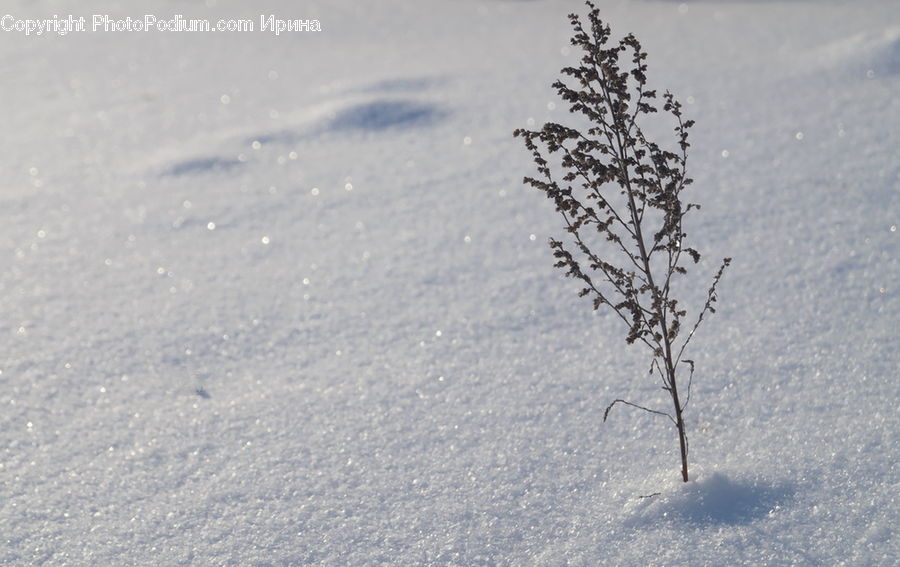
[284,301]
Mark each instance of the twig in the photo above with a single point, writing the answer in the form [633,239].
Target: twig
[610,406]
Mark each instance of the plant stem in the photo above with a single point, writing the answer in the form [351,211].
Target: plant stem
[682,436]
[659,299]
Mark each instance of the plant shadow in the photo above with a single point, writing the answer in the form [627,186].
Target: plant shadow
[714,500]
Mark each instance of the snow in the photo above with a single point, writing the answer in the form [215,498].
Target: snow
[285,301]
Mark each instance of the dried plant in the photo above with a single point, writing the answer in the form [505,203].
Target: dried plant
[620,195]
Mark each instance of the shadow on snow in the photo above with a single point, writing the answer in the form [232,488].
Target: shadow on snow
[713,500]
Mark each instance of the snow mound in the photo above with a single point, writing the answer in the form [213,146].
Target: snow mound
[384,114]
[201,165]
[713,499]
[354,116]
[874,53]
[405,84]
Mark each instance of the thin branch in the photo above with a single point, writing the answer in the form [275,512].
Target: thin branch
[610,406]
[687,398]
[710,299]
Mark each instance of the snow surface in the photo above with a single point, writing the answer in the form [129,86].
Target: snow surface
[285,301]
